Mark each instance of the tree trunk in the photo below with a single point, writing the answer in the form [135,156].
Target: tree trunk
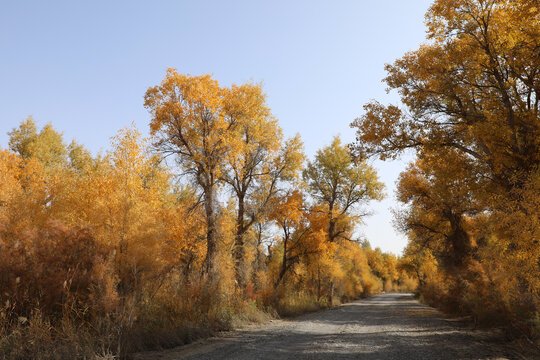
[331,223]
[318,282]
[211,248]
[259,261]
[239,251]
[281,277]
[331,294]
[331,230]
[460,249]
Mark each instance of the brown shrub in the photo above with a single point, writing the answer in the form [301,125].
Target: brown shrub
[47,268]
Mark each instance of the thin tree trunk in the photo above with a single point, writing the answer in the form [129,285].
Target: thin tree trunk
[331,223]
[281,277]
[318,282]
[211,248]
[239,250]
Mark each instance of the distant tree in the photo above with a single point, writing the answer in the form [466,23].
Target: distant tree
[340,184]
[47,145]
[290,215]
[80,158]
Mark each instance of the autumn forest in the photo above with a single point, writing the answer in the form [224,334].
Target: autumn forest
[217,219]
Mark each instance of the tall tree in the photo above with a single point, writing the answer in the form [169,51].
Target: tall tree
[472,96]
[259,138]
[473,87]
[195,119]
[254,174]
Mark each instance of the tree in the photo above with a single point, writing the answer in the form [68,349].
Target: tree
[193,119]
[260,162]
[440,202]
[80,158]
[339,184]
[473,87]
[472,115]
[47,146]
[289,214]
[21,138]
[472,90]
[137,186]
[23,193]
[254,174]
[126,199]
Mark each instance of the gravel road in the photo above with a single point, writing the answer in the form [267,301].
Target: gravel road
[388,326]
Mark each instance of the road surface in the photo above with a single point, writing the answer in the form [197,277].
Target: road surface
[388,326]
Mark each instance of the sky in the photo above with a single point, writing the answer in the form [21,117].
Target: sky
[84,66]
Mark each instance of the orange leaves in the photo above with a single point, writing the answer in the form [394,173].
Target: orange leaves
[183,96]
[188,110]
[473,119]
[10,169]
[471,90]
[246,103]
[203,123]
[110,228]
[289,209]
[23,192]
[218,135]
[116,237]
[376,127]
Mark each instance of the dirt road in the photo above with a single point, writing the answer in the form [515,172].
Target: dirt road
[388,326]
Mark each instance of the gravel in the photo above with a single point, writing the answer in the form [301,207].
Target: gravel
[388,326]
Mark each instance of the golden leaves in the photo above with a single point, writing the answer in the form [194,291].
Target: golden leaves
[472,118]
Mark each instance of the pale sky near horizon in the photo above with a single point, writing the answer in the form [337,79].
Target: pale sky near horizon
[84,66]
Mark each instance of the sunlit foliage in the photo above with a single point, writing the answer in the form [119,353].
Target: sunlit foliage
[117,252]
[471,115]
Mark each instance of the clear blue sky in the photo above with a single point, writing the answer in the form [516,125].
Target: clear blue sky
[85,65]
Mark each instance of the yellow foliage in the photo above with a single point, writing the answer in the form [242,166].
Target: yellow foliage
[472,194]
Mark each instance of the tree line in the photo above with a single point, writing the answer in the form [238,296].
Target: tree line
[214,219]
[217,218]
[471,116]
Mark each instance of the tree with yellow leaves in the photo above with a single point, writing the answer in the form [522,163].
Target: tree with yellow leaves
[289,213]
[339,184]
[261,161]
[194,119]
[441,201]
[472,116]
